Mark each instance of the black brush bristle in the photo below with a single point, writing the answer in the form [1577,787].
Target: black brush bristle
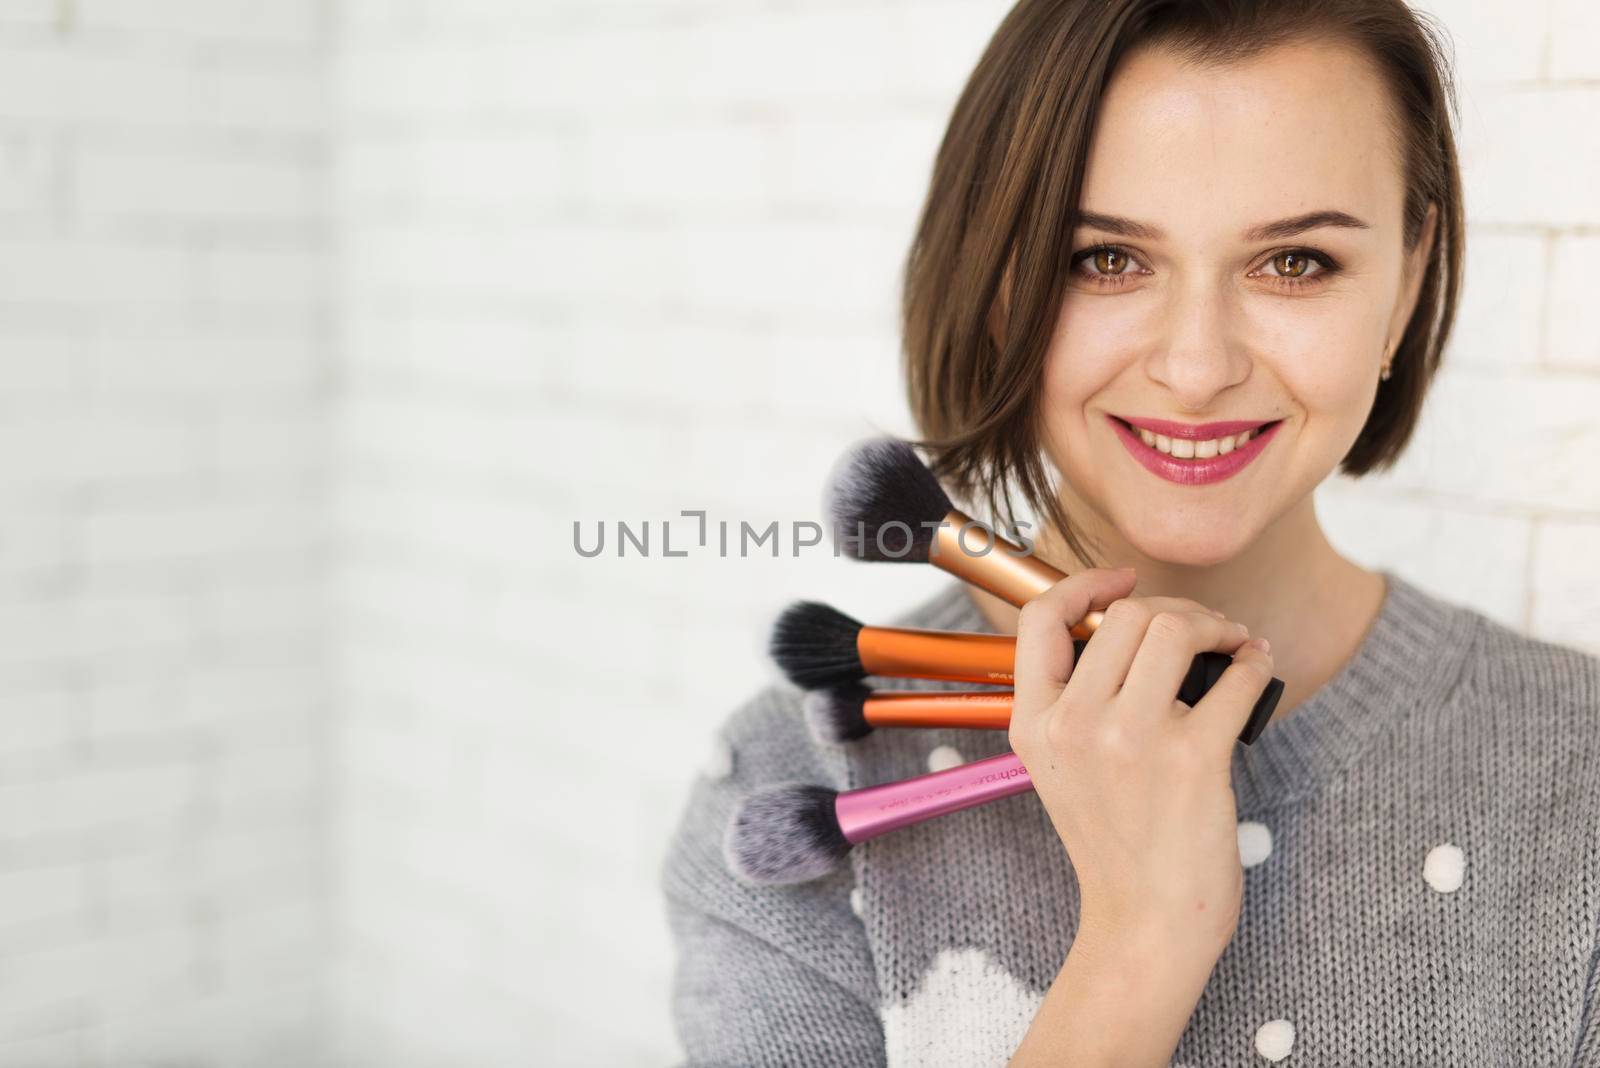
[837,714]
[785,834]
[884,503]
[815,646]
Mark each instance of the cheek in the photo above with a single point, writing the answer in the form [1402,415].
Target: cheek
[1075,370]
[1076,367]
[1323,354]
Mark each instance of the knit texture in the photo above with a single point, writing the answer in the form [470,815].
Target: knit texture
[1422,877]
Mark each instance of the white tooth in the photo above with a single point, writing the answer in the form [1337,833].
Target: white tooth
[1205,449]
[1225,446]
[1164,443]
[1182,448]
[1146,436]
[1242,438]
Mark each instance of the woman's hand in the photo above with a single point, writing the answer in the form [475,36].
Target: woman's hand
[1136,783]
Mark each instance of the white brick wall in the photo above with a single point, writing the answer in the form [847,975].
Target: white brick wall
[577,250]
[164,360]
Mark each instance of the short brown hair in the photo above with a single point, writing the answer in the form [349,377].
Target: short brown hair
[1003,201]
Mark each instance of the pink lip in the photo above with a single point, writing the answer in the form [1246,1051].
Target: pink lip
[1194,472]
[1196,431]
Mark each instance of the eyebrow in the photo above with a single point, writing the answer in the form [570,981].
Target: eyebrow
[1281,228]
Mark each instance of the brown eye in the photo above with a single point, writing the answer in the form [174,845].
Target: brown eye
[1110,261]
[1291,264]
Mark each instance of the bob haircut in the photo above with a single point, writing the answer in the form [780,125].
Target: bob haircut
[985,272]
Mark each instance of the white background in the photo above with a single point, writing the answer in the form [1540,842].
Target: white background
[320,325]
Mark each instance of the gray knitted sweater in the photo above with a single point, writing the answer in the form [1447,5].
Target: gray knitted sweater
[1421,841]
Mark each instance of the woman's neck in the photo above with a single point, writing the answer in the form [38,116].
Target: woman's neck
[1291,587]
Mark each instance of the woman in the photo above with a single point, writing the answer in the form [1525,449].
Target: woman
[1146,219]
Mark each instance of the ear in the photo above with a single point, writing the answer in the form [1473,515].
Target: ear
[1416,267]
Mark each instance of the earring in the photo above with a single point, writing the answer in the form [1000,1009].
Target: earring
[1384,374]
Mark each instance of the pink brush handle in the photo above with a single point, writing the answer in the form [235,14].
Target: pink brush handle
[875,810]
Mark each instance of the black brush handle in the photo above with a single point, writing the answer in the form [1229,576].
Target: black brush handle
[1203,674]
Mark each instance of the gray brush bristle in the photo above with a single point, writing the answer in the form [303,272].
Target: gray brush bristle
[785,834]
[836,715]
[815,645]
[879,483]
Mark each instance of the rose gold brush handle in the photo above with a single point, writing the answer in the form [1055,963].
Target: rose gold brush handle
[975,554]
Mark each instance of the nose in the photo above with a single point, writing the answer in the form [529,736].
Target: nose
[1198,354]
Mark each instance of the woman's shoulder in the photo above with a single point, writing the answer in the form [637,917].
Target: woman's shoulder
[743,947]
[1528,673]
[1510,683]
[764,740]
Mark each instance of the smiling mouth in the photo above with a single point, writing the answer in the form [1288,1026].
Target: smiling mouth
[1188,449]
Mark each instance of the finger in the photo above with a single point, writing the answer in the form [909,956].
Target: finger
[1219,717]
[1104,665]
[1171,643]
[1044,638]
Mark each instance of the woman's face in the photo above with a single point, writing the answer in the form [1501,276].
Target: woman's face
[1240,260]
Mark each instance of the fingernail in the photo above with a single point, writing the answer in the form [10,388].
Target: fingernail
[1262,644]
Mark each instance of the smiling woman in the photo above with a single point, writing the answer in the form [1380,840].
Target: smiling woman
[1312,242]
[1178,264]
[1273,291]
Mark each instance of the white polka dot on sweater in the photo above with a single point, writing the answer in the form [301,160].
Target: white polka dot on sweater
[719,759]
[1274,1039]
[965,1009]
[945,757]
[1444,868]
[856,899]
[1255,843]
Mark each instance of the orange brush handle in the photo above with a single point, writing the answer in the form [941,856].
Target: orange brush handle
[975,554]
[912,708]
[937,654]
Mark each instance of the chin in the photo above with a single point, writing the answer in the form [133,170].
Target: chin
[1185,547]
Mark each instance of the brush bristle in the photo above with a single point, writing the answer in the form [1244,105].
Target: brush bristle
[837,714]
[815,646]
[785,834]
[878,483]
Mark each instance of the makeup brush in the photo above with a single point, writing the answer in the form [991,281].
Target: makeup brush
[794,832]
[851,711]
[819,647]
[885,505]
